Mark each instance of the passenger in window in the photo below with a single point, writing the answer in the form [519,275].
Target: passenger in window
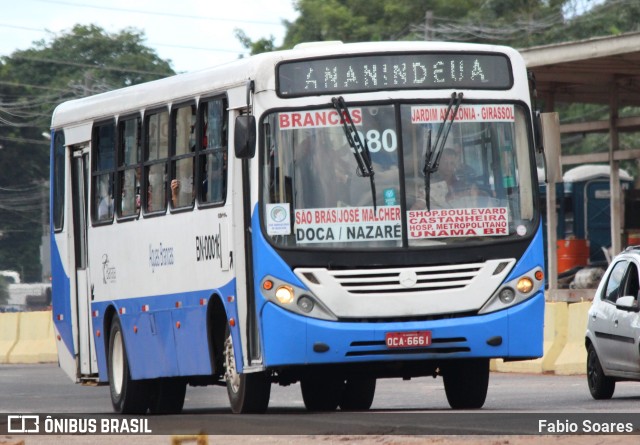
[131,192]
[156,191]
[182,192]
[105,202]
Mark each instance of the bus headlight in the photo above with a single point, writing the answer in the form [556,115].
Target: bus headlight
[305,304]
[284,294]
[515,291]
[525,284]
[294,298]
[507,295]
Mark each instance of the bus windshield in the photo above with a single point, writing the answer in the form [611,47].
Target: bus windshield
[481,188]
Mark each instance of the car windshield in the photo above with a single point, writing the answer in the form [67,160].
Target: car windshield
[480,186]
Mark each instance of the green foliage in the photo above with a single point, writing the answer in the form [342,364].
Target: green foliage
[83,61]
[259,46]
[364,20]
[517,23]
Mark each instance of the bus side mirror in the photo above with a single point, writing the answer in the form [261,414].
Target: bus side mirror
[550,125]
[537,131]
[244,136]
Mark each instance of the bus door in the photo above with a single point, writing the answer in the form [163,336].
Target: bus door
[242,206]
[80,176]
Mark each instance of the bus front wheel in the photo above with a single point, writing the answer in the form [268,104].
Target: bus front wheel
[358,394]
[127,396]
[466,382]
[321,392]
[248,392]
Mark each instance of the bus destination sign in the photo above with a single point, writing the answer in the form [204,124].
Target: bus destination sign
[394,72]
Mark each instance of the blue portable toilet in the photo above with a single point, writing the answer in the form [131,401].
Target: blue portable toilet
[587,207]
[583,206]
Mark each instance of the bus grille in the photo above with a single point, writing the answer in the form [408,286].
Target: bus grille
[406,280]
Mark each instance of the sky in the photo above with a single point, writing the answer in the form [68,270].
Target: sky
[193,34]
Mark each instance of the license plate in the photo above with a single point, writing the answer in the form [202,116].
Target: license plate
[416,339]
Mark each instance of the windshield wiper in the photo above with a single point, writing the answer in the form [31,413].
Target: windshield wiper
[359,147]
[432,157]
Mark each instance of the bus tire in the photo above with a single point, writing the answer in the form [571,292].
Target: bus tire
[358,394]
[321,392]
[128,396]
[601,387]
[248,392]
[168,396]
[466,383]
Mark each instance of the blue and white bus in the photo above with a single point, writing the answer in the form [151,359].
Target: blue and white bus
[329,215]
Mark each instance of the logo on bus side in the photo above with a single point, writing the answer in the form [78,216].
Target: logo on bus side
[108,272]
[160,257]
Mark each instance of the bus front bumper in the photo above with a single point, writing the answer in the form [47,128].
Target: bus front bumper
[291,339]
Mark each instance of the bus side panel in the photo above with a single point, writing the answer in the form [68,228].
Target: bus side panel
[190,336]
[148,339]
[167,341]
[526,328]
[61,300]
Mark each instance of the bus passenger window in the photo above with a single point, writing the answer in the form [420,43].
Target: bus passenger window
[182,165]
[156,155]
[104,202]
[156,187]
[104,151]
[214,177]
[213,152]
[129,158]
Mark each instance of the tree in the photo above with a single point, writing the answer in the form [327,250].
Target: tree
[259,46]
[83,61]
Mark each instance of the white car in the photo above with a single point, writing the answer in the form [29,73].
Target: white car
[613,328]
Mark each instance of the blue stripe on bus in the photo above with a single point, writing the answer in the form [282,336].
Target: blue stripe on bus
[61,298]
[165,340]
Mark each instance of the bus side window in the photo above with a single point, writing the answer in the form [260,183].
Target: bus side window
[182,164]
[129,150]
[58,180]
[104,150]
[213,152]
[155,162]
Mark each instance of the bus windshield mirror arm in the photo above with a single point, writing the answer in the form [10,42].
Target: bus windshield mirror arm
[432,157]
[358,146]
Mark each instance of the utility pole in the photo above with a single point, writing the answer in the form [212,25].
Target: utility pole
[428,25]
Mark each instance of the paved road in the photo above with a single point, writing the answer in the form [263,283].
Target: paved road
[515,404]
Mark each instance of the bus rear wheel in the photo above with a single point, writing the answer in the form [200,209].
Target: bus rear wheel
[168,396]
[248,392]
[128,396]
[466,382]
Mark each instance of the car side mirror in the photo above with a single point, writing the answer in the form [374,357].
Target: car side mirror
[628,303]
